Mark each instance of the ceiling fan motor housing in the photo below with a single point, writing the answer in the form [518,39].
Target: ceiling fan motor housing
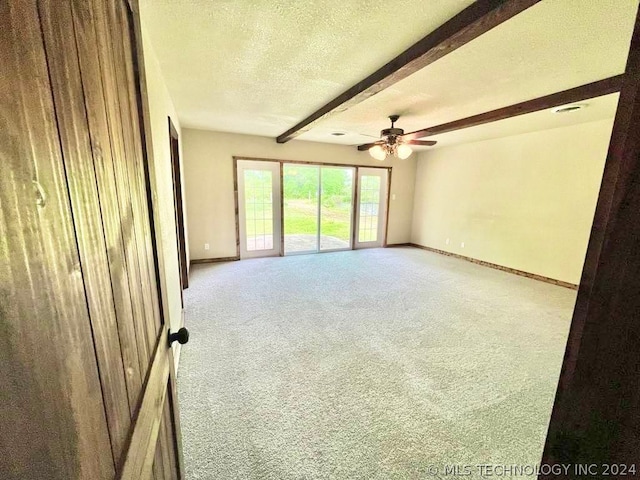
[392,133]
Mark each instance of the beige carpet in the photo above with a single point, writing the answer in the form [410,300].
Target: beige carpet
[372,364]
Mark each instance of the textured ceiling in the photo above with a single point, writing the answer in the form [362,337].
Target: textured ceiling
[596,109]
[259,67]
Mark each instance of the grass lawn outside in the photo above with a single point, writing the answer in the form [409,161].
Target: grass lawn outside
[301,205]
[300,218]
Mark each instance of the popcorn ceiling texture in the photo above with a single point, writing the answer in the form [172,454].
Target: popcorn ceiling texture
[259,67]
[548,48]
[369,364]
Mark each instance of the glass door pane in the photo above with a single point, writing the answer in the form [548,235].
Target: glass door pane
[369,208]
[301,226]
[259,208]
[258,197]
[372,200]
[336,207]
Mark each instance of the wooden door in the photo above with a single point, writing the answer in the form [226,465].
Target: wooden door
[87,376]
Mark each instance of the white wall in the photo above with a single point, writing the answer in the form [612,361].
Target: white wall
[525,201]
[208,166]
[161,107]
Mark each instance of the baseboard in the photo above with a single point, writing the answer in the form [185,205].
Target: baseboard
[214,260]
[514,271]
[533,276]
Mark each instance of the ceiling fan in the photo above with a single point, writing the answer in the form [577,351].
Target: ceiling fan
[392,143]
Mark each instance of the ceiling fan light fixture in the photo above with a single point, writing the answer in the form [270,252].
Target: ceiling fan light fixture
[378,152]
[404,151]
[392,142]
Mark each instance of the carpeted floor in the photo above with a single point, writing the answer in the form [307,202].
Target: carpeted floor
[372,364]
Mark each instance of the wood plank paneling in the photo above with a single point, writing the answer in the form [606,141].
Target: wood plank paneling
[108,62]
[51,396]
[165,465]
[158,464]
[68,95]
[167,438]
[175,431]
[163,441]
[141,165]
[114,228]
[78,260]
[119,33]
[153,164]
[140,456]
[170,442]
[168,434]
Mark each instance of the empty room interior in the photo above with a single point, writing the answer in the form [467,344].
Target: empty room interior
[316,240]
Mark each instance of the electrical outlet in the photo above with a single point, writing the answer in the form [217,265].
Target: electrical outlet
[462,244]
[393,196]
[206,246]
[447,241]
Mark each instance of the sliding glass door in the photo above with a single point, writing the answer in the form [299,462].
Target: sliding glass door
[336,208]
[292,208]
[300,186]
[318,208]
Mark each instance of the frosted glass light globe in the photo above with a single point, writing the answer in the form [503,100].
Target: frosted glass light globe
[378,152]
[404,151]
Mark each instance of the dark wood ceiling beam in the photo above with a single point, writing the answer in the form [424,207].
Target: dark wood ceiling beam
[473,21]
[573,95]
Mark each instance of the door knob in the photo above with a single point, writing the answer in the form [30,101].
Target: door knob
[181,336]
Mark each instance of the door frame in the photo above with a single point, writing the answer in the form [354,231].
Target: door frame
[174,146]
[237,158]
[383,216]
[276,190]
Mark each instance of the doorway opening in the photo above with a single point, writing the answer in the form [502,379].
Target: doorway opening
[174,146]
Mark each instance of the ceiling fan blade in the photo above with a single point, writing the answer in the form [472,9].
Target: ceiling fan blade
[424,143]
[367,146]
